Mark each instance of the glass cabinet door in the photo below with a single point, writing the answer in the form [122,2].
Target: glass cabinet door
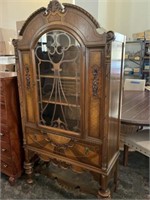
[58,61]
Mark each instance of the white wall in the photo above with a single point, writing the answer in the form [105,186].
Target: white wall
[1,9]
[128,16]
[124,16]
[18,10]
[90,5]
[102,13]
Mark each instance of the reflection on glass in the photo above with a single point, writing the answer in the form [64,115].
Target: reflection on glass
[57,56]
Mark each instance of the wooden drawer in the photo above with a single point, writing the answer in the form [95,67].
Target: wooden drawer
[10,126]
[5,149]
[4,134]
[6,166]
[66,147]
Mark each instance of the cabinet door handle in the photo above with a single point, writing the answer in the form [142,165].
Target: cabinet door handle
[5,165]
[1,134]
[4,150]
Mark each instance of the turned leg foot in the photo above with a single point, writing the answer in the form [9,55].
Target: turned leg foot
[12,180]
[125,155]
[29,171]
[104,192]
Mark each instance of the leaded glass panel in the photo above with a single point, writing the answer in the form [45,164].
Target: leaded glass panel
[58,60]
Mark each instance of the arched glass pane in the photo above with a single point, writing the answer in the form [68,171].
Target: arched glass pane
[58,58]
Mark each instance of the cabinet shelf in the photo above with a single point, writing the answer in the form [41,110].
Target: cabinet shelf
[136,56]
[73,101]
[61,103]
[61,77]
[135,61]
[146,70]
[146,57]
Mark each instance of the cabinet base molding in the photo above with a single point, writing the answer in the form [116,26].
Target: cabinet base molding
[81,182]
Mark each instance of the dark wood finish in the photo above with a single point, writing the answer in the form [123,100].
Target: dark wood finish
[94,144]
[135,108]
[135,111]
[10,127]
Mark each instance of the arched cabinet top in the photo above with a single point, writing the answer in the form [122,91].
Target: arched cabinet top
[68,17]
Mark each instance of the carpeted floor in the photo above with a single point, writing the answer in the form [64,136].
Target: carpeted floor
[133,183]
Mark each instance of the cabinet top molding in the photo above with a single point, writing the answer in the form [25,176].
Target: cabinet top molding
[54,7]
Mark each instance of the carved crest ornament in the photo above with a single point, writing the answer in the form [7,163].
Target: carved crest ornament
[54,6]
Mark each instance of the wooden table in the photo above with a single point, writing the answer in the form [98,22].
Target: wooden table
[136,108]
[135,114]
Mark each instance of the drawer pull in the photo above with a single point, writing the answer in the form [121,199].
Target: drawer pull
[86,151]
[5,165]
[1,134]
[4,150]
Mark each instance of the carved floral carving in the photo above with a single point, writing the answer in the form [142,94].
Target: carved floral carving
[61,146]
[15,44]
[110,36]
[27,75]
[95,82]
[60,163]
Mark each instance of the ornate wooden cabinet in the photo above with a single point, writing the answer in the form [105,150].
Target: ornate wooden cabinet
[69,79]
[10,127]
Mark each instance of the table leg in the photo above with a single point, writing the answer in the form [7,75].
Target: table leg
[125,155]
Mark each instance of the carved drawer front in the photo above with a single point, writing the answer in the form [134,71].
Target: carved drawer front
[66,147]
[4,135]
[5,149]
[6,166]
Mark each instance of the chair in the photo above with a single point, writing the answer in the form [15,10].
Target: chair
[138,141]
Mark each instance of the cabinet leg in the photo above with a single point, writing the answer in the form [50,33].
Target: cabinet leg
[116,177]
[104,192]
[12,180]
[29,171]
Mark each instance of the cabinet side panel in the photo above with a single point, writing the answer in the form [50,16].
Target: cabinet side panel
[94,92]
[11,133]
[14,124]
[115,98]
[27,76]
